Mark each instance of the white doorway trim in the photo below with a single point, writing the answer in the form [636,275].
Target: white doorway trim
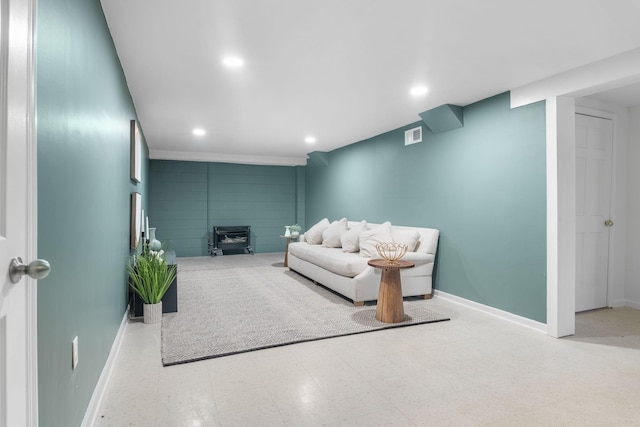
[561,213]
[18,302]
[561,216]
[32,223]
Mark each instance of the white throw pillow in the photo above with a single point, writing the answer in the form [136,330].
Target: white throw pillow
[331,236]
[370,238]
[350,240]
[407,237]
[313,236]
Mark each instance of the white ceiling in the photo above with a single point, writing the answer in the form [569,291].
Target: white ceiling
[340,70]
[627,96]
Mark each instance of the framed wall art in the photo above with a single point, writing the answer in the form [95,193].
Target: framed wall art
[136,152]
[136,219]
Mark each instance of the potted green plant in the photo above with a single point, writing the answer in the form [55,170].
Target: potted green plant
[150,277]
[295,229]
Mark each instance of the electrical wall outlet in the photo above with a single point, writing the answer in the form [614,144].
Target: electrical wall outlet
[74,353]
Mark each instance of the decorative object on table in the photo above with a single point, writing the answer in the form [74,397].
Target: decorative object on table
[150,277]
[154,244]
[287,231]
[135,167]
[295,229]
[136,219]
[391,252]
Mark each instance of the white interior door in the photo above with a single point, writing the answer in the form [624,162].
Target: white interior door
[18,385]
[594,143]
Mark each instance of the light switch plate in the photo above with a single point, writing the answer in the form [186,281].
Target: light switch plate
[74,353]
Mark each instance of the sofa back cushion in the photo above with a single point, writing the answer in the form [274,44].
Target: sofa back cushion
[370,238]
[313,236]
[350,240]
[406,236]
[331,235]
[427,243]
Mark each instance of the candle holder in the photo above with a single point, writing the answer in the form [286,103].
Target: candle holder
[145,245]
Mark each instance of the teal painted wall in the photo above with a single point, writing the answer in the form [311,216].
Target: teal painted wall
[188,199]
[300,196]
[83,113]
[178,205]
[483,186]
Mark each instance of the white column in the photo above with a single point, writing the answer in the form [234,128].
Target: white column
[561,216]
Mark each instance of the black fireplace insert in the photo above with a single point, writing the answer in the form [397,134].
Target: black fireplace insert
[231,238]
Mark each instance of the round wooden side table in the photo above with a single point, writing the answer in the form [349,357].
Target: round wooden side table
[286,249]
[390,308]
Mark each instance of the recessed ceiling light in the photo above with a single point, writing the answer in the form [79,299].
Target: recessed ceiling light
[198,132]
[419,90]
[233,61]
[310,140]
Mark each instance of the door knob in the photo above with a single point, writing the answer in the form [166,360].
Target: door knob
[38,269]
[608,223]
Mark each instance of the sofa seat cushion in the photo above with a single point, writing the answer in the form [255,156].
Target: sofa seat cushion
[332,259]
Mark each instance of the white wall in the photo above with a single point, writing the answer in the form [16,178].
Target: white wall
[632,285]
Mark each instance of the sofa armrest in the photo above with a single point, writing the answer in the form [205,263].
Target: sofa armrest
[418,258]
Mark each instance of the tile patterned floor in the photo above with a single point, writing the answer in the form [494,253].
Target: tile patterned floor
[474,370]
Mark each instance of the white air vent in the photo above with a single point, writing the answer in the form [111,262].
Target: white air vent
[412,136]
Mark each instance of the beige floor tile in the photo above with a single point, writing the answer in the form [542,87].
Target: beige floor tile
[474,370]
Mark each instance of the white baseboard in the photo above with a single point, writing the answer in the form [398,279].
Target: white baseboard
[91,413]
[618,303]
[632,304]
[504,315]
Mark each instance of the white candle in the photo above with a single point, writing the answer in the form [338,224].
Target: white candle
[142,222]
[147,228]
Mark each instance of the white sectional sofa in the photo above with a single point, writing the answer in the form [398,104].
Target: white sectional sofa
[341,264]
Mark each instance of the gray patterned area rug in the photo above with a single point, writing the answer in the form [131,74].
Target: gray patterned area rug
[236,303]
